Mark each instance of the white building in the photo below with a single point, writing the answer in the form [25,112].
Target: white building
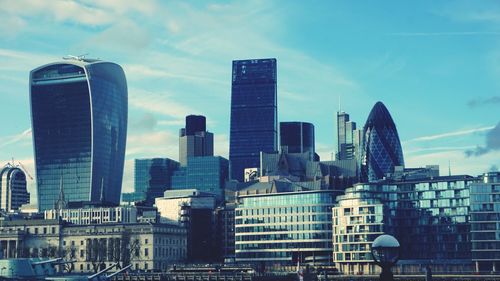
[94,215]
[172,206]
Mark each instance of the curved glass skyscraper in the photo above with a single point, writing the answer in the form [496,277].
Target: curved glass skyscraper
[381,150]
[79,123]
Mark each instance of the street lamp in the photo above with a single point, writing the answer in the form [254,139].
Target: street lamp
[385,252]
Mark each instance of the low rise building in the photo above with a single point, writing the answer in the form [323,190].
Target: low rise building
[146,246]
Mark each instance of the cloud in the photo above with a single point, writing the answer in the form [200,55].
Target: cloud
[152,144]
[160,103]
[492,143]
[450,134]
[147,122]
[24,136]
[59,11]
[483,101]
[449,33]
[123,34]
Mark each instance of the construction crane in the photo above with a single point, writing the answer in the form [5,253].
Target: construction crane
[24,169]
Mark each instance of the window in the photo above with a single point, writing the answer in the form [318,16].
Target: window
[146,252]
[146,241]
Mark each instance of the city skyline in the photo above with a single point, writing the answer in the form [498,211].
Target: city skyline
[435,72]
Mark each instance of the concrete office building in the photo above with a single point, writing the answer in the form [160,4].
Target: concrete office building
[147,246]
[79,121]
[194,210]
[254,115]
[194,140]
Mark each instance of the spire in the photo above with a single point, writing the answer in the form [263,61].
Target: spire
[449,168]
[61,201]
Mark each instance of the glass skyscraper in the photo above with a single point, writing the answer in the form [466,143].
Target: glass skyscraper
[254,121]
[151,178]
[345,136]
[297,137]
[381,150]
[79,122]
[204,173]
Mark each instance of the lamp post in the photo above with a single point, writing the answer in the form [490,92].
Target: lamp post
[385,252]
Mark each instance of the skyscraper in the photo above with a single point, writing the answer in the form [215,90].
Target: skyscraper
[345,136]
[254,121]
[297,137]
[79,121]
[13,192]
[151,178]
[194,140]
[381,150]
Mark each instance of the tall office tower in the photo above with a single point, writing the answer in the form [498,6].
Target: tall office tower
[297,137]
[194,140]
[254,119]
[79,121]
[345,137]
[381,146]
[13,192]
[152,177]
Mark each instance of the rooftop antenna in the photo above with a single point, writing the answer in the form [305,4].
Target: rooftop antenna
[340,108]
[71,57]
[449,167]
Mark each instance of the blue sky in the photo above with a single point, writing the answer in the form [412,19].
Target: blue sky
[435,65]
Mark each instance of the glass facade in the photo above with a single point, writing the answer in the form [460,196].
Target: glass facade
[345,137]
[153,176]
[79,121]
[430,218]
[485,223]
[381,146]
[206,173]
[254,121]
[282,228]
[13,192]
[297,137]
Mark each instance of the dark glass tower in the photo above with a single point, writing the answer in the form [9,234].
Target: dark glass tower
[381,146]
[297,137]
[254,120]
[79,121]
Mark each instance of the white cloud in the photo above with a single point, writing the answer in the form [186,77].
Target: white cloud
[160,103]
[25,136]
[451,134]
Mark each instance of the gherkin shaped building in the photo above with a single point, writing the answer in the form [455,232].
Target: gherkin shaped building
[381,150]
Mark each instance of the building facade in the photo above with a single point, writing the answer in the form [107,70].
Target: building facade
[429,217]
[94,215]
[151,178]
[79,121]
[297,137]
[345,137]
[147,246]
[193,210]
[13,191]
[485,223]
[194,140]
[281,228]
[206,174]
[381,150]
[254,118]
